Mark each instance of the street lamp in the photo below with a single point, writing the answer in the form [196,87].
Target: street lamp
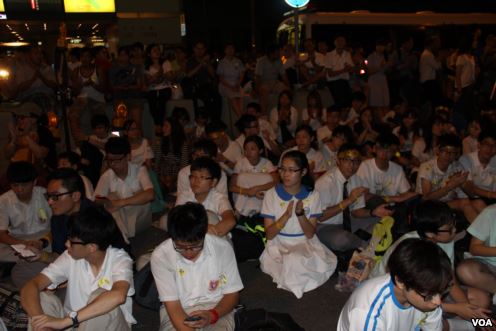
[297,4]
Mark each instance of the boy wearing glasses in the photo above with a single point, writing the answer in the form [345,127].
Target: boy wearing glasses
[196,274]
[125,189]
[342,196]
[435,222]
[407,298]
[205,174]
[442,178]
[99,279]
[24,212]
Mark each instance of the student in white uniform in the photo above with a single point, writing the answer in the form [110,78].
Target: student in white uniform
[332,121]
[253,176]
[229,151]
[407,298]
[480,270]
[471,142]
[249,125]
[334,228]
[205,174]
[73,160]
[294,257]
[314,115]
[196,274]
[306,143]
[202,147]
[340,135]
[284,118]
[99,280]
[125,189]
[24,212]
[434,221]
[442,178]
[481,165]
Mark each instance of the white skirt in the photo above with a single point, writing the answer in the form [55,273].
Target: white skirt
[298,264]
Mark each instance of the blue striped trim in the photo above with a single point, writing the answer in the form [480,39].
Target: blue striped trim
[365,328]
[268,216]
[291,234]
[379,310]
[316,215]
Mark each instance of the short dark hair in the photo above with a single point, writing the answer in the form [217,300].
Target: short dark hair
[207,146]
[188,222]
[206,163]
[21,172]
[486,134]
[97,120]
[117,146]
[358,96]
[430,215]
[348,147]
[257,141]
[94,225]
[387,139]
[333,109]
[70,178]
[73,157]
[421,266]
[215,126]
[449,140]
[254,105]
[343,130]
[244,121]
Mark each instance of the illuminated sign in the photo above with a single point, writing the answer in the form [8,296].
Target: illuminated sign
[2,7]
[89,6]
[26,9]
[297,3]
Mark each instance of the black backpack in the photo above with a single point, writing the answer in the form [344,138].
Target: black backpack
[146,289]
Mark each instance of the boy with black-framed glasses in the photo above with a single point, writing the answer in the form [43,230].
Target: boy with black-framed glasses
[196,274]
[407,298]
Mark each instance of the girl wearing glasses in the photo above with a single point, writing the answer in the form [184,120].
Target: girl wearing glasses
[294,257]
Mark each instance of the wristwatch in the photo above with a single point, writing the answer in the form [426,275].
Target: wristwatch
[73,315]
[300,213]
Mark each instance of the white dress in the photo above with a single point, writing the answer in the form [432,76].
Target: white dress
[295,262]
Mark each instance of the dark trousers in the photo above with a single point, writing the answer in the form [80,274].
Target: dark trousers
[157,101]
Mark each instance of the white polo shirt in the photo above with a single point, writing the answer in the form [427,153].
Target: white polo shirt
[25,220]
[484,178]
[484,229]
[183,184]
[467,64]
[204,281]
[428,66]
[137,180]
[391,182]
[81,282]
[431,172]
[215,202]
[330,188]
[337,62]
[374,306]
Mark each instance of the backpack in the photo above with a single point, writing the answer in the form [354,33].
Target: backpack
[262,320]
[146,293]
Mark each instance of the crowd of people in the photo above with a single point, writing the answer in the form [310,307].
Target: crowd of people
[407,136]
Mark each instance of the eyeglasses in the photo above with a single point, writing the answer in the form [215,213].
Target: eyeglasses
[113,161]
[452,227]
[290,170]
[192,177]
[56,196]
[430,297]
[194,248]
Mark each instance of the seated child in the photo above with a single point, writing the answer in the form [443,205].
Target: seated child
[294,256]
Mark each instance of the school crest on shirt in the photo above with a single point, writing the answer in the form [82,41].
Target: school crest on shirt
[214,284]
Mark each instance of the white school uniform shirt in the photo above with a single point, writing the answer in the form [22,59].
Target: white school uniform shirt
[233,153]
[330,188]
[183,184]
[467,62]
[428,66]
[215,202]
[314,123]
[484,229]
[380,266]
[323,133]
[484,178]
[391,182]
[248,176]
[431,172]
[337,62]
[81,282]
[204,281]
[23,220]
[137,180]
[142,153]
[274,122]
[313,156]
[374,306]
